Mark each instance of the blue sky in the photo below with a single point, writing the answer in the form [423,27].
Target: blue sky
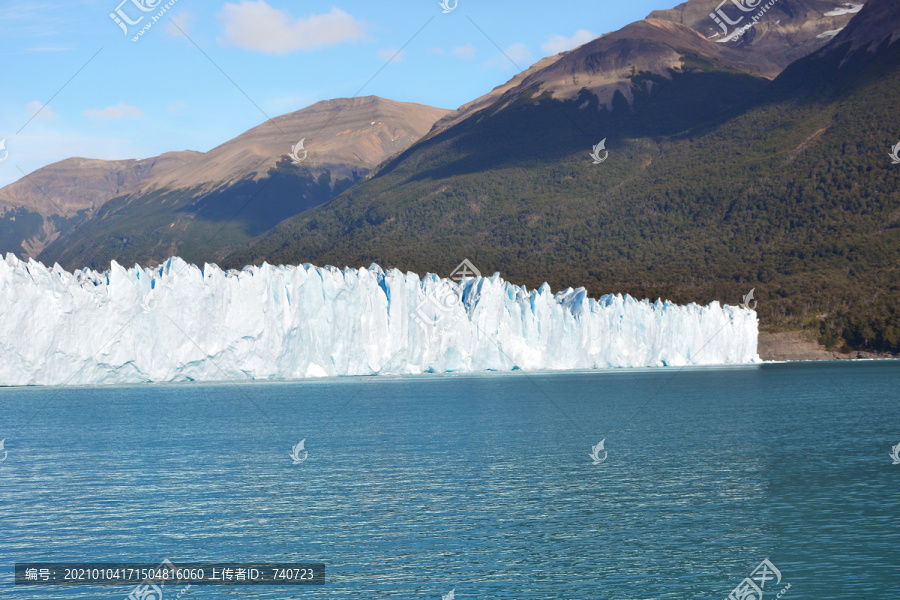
[112,98]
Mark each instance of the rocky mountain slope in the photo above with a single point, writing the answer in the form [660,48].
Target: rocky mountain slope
[783,32]
[34,209]
[146,209]
[344,137]
[657,45]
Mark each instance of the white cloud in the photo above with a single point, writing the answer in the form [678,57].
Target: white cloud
[176,107]
[517,56]
[467,51]
[392,54]
[254,25]
[561,43]
[180,22]
[37,111]
[436,50]
[113,113]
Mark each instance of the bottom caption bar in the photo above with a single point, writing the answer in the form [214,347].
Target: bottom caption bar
[169,573]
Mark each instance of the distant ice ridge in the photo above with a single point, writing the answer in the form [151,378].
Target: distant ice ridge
[180,323]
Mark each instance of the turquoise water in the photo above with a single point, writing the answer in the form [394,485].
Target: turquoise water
[480,484]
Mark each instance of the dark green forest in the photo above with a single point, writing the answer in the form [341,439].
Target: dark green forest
[196,224]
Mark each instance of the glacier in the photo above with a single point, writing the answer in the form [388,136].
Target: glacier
[180,322]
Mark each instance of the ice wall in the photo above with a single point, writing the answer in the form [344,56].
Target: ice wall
[179,322]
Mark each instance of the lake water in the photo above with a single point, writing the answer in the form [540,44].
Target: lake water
[480,484]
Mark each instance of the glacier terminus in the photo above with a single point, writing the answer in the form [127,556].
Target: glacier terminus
[180,322]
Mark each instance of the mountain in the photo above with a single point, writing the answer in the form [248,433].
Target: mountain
[790,30]
[874,27]
[343,137]
[36,208]
[717,181]
[787,30]
[156,213]
[606,67]
[196,206]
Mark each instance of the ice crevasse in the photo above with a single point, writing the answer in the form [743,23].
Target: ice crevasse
[178,322]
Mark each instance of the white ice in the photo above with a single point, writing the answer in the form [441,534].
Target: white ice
[181,323]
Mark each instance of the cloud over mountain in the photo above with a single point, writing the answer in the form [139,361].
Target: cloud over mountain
[254,25]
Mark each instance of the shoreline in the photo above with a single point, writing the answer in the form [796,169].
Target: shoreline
[800,346]
[331,379]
